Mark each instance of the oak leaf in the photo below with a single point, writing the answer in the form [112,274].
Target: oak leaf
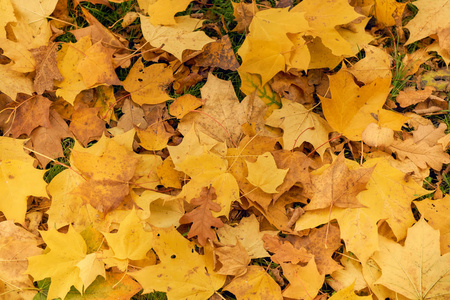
[264,173]
[179,263]
[201,217]
[46,68]
[256,283]
[415,270]
[147,85]
[300,125]
[421,153]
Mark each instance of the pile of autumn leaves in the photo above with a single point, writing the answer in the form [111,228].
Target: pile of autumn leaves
[115,217]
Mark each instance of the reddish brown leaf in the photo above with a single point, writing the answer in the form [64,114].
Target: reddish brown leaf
[201,217]
[46,69]
[31,113]
[218,54]
[86,125]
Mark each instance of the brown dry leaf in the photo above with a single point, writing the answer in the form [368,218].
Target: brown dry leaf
[429,134]
[47,141]
[337,186]
[294,88]
[432,105]
[16,244]
[218,54]
[46,68]
[234,259]
[421,153]
[96,66]
[86,126]
[107,174]
[284,251]
[133,116]
[30,114]
[98,32]
[437,212]
[321,243]
[201,217]
[244,12]
[147,85]
[409,97]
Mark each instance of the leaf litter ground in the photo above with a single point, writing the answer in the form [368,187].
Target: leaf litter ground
[211,149]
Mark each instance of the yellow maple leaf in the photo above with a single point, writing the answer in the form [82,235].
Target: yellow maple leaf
[68,59]
[304,281]
[415,270]
[65,263]
[147,85]
[131,242]
[264,173]
[255,284]
[300,125]
[161,12]
[18,181]
[13,82]
[348,293]
[387,12]
[96,66]
[175,38]
[352,108]
[180,263]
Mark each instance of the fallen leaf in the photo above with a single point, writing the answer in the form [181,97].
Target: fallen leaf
[300,125]
[201,218]
[162,12]
[304,282]
[147,85]
[348,293]
[46,68]
[337,186]
[264,173]
[30,114]
[415,270]
[175,38]
[179,263]
[255,283]
[86,126]
[234,260]
[410,97]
